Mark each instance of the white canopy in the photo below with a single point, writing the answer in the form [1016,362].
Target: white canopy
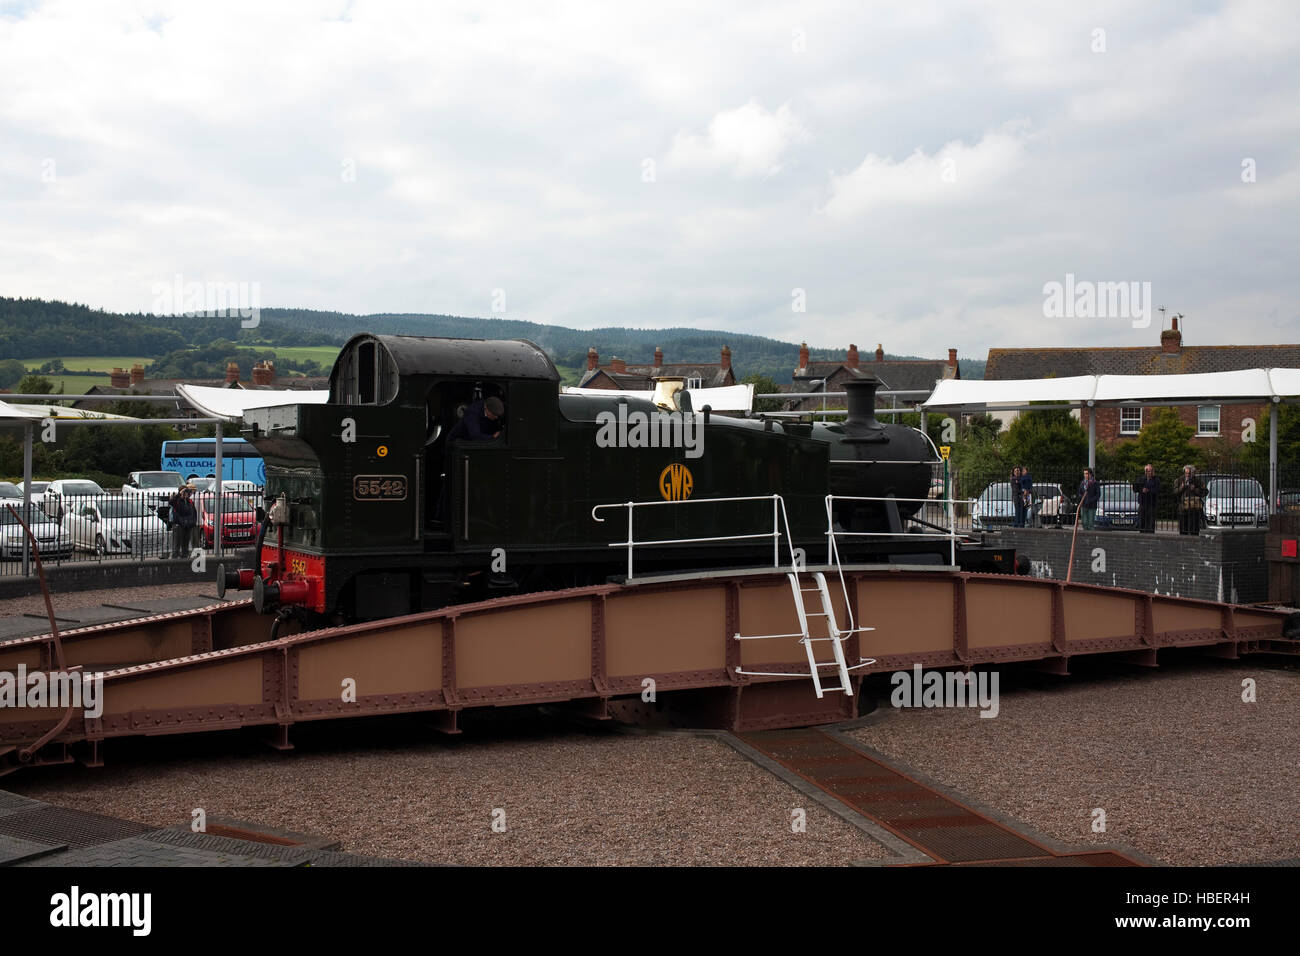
[26,411]
[230,403]
[730,398]
[1257,384]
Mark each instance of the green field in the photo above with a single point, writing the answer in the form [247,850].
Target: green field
[93,363]
[76,384]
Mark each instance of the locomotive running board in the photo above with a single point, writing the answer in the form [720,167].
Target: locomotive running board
[666,641]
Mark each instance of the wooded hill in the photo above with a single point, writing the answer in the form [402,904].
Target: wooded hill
[31,328]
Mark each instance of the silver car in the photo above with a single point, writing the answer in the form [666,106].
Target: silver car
[53,541]
[1235,503]
[152,487]
[109,525]
[63,493]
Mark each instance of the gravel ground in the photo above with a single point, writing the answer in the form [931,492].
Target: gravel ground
[569,799]
[1185,771]
[67,600]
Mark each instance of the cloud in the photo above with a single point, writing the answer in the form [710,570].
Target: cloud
[748,141]
[954,173]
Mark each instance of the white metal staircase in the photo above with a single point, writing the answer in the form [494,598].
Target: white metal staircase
[834,634]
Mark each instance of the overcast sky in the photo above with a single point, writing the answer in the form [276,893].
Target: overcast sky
[919,170]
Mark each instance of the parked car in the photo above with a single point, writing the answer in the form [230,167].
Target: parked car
[110,525]
[993,507]
[1288,501]
[1052,506]
[53,541]
[238,519]
[1117,506]
[62,489]
[38,489]
[9,490]
[154,487]
[1235,503]
[203,484]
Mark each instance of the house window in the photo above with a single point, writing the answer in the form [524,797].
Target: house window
[1207,419]
[1130,421]
[695,383]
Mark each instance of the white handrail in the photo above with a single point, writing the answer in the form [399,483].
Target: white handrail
[779,519]
[832,547]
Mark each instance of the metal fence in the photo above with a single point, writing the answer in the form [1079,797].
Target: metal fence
[1236,497]
[114,527]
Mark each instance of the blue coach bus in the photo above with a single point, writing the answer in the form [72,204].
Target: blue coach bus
[196,458]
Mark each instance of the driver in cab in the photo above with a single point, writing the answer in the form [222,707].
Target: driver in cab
[481,421]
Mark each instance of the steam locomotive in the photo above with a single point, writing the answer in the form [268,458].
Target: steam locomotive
[375,512]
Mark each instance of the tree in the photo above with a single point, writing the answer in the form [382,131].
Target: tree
[11,372]
[1049,440]
[763,383]
[35,385]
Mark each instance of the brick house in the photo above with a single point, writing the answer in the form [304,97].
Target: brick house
[122,382]
[638,378]
[1213,422]
[894,375]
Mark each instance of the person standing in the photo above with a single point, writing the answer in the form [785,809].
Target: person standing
[1148,492]
[1089,496]
[1017,499]
[1189,491]
[184,518]
[1027,495]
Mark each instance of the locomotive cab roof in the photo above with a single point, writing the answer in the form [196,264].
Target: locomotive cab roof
[378,369]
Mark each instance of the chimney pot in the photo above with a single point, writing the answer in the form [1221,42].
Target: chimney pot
[593,359]
[852,360]
[726,358]
[803,354]
[880,352]
[659,357]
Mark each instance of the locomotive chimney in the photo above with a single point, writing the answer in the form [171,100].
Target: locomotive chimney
[861,424]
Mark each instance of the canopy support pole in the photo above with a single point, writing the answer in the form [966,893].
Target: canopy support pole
[28,428]
[1272,456]
[1092,437]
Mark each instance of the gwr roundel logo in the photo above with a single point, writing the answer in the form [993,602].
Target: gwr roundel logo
[676,482]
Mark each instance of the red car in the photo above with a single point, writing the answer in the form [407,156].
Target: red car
[238,519]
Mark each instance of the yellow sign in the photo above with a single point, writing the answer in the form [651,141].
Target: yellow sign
[944,450]
[676,482]
[382,451]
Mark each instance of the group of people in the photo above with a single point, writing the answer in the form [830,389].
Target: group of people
[1189,491]
[1022,494]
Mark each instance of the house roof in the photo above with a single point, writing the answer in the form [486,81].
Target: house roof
[1141,360]
[895,375]
[641,377]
